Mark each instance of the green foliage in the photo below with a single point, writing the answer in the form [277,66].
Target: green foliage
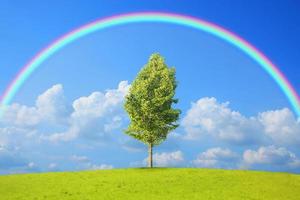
[165,184]
[149,102]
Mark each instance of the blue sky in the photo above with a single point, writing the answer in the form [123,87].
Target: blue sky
[234,115]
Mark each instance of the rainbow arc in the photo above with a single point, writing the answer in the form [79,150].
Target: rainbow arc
[145,17]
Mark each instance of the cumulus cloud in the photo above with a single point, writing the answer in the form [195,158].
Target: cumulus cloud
[14,137]
[281,125]
[99,167]
[216,158]
[167,159]
[209,117]
[20,116]
[268,155]
[31,165]
[53,167]
[271,156]
[95,115]
[50,107]
[98,103]
[51,118]
[80,159]
[84,163]
[90,116]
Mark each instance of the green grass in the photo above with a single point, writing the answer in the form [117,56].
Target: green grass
[160,183]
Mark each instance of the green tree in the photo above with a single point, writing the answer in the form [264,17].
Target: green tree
[149,104]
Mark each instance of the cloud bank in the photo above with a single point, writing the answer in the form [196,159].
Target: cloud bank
[228,139]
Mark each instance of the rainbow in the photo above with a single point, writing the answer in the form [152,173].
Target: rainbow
[161,17]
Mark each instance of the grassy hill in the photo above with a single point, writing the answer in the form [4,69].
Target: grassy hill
[160,183]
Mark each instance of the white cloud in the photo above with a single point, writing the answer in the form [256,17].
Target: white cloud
[99,104]
[216,158]
[80,159]
[167,159]
[20,116]
[92,116]
[52,166]
[99,167]
[268,155]
[281,126]
[271,156]
[84,163]
[95,115]
[50,107]
[13,137]
[31,165]
[209,117]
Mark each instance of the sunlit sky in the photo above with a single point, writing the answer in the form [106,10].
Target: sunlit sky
[69,114]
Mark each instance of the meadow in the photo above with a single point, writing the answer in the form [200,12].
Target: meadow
[157,183]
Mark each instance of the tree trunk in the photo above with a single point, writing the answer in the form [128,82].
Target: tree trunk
[150,161]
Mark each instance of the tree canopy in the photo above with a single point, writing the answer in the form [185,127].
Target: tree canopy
[149,103]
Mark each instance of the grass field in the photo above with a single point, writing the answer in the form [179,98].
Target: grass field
[160,183]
